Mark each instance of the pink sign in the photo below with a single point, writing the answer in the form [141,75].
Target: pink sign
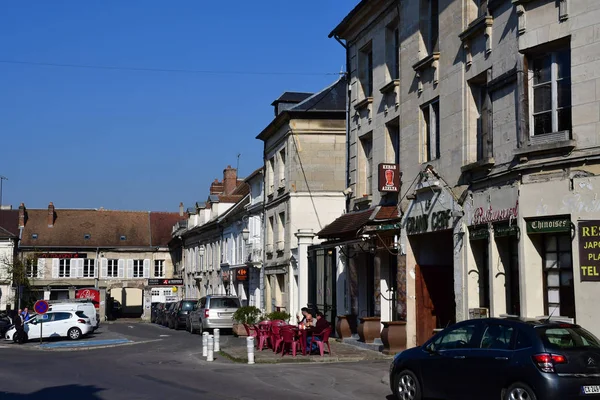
[91,294]
[483,216]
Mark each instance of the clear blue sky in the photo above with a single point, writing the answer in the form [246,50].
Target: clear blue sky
[141,140]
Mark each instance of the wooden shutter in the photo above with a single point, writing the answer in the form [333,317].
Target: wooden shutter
[80,265]
[129,269]
[121,264]
[55,264]
[72,268]
[103,268]
[41,264]
[146,268]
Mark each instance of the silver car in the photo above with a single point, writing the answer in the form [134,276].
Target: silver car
[213,311]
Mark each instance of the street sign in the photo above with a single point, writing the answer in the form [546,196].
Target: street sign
[41,307]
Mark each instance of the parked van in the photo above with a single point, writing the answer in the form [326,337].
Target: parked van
[86,306]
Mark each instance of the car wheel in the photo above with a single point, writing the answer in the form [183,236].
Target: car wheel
[519,391]
[74,333]
[192,331]
[201,328]
[407,386]
[15,337]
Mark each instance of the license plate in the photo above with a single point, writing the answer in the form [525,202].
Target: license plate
[223,315]
[590,389]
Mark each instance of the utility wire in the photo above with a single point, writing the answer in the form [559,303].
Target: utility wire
[147,69]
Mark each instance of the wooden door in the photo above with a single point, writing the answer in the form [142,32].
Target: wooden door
[426,321]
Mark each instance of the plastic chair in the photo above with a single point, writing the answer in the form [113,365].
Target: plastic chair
[264,335]
[289,341]
[251,330]
[324,336]
[275,336]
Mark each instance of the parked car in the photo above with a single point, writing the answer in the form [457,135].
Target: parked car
[154,311]
[213,311]
[86,306]
[510,358]
[163,317]
[71,324]
[178,313]
[5,323]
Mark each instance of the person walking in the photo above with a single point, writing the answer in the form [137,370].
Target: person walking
[20,329]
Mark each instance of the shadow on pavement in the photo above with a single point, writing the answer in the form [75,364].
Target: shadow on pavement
[67,392]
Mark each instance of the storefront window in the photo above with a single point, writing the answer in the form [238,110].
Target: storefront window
[558,276]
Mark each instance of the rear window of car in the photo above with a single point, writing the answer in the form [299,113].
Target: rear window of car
[567,337]
[224,302]
[187,305]
[81,314]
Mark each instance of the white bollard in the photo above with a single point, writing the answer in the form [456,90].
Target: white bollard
[211,348]
[204,344]
[250,346]
[217,334]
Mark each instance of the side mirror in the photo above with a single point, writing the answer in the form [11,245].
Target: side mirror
[430,348]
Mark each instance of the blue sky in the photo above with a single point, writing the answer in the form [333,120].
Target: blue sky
[144,140]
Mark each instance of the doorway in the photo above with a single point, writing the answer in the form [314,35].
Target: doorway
[322,274]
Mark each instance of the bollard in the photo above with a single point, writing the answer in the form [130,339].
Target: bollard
[217,334]
[211,348]
[250,346]
[204,344]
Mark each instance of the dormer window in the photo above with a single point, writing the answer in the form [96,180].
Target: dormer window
[34,235]
[87,236]
[123,237]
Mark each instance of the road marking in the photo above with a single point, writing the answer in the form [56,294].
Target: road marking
[164,335]
[84,343]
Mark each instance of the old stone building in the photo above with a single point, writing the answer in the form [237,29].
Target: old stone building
[118,253]
[9,241]
[490,110]
[304,179]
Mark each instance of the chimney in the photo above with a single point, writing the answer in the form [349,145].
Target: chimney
[22,215]
[181,209]
[216,187]
[229,180]
[50,215]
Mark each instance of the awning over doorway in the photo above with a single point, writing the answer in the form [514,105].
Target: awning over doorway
[349,225]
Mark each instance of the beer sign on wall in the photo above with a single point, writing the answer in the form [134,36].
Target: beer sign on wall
[389,177]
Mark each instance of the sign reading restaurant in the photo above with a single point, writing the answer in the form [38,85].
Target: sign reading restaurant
[61,255]
[589,250]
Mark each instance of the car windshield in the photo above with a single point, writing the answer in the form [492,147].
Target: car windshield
[81,314]
[187,305]
[225,302]
[567,337]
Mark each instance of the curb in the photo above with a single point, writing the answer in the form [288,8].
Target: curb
[290,360]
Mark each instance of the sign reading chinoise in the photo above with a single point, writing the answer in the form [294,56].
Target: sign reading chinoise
[389,177]
[589,250]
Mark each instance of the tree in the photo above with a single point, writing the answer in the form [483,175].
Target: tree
[18,273]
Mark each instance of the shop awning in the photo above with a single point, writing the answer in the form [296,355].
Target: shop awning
[349,225]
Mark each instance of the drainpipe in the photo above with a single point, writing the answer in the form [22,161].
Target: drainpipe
[347,73]
[262,278]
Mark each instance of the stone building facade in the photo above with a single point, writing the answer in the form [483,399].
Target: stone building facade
[491,112]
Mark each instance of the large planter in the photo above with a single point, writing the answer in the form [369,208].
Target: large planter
[239,330]
[393,336]
[342,327]
[369,329]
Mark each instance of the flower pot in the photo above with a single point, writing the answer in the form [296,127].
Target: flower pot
[393,337]
[342,327]
[369,329]
[239,330]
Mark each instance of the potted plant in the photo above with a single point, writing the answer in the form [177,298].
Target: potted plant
[278,315]
[247,315]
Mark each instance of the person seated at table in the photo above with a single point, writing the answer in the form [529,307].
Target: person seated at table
[301,318]
[320,325]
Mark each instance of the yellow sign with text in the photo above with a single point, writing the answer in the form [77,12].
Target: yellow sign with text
[589,250]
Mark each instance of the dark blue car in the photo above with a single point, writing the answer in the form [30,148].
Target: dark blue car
[510,359]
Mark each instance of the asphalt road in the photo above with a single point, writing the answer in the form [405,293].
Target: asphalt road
[171,367]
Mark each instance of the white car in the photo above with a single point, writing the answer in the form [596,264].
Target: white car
[71,324]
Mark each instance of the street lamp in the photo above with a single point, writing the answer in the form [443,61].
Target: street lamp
[245,234]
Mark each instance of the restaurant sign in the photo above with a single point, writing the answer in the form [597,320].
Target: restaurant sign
[61,255]
[549,225]
[165,282]
[241,274]
[589,250]
[479,232]
[389,177]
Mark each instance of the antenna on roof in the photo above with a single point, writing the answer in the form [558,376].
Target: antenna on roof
[551,315]
[237,167]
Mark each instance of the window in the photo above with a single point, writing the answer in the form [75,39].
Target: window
[166,292]
[523,341]
[270,231]
[281,232]
[393,51]
[155,292]
[551,90]
[159,268]
[431,132]
[64,270]
[568,337]
[270,173]
[61,316]
[367,145]
[457,338]
[281,168]
[138,268]
[31,269]
[394,140]
[81,314]
[481,116]
[113,268]
[429,25]
[366,70]
[497,337]
[558,276]
[89,268]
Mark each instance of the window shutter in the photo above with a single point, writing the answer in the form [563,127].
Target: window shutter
[121,265]
[80,264]
[41,264]
[146,268]
[129,269]
[55,263]
[72,268]
[103,267]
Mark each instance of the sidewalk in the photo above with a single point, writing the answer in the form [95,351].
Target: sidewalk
[236,351]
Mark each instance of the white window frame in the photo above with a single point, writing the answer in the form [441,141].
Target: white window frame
[114,264]
[159,265]
[554,92]
[367,168]
[31,269]
[138,266]
[89,264]
[66,265]
[430,134]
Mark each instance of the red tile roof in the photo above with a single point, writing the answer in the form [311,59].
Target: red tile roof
[346,225]
[9,221]
[387,212]
[104,227]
